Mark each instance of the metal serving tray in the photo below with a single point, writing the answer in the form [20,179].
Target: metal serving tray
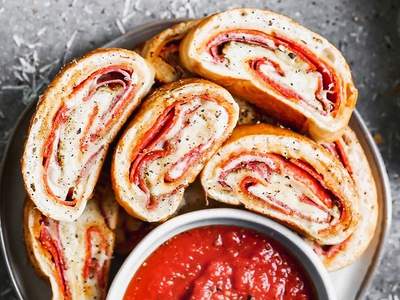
[351,282]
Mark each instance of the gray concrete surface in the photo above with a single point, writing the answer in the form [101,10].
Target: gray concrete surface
[36,34]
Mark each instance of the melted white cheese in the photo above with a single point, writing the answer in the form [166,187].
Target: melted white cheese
[206,124]
[62,178]
[297,76]
[73,238]
[285,190]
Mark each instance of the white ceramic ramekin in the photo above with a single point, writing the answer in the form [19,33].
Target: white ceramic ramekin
[311,264]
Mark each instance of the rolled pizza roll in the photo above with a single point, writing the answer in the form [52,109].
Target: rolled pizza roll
[163,52]
[76,119]
[287,70]
[287,177]
[74,256]
[178,128]
[350,153]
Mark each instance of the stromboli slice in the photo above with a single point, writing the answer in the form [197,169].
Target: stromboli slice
[76,119]
[285,176]
[163,52]
[175,132]
[349,151]
[74,256]
[266,58]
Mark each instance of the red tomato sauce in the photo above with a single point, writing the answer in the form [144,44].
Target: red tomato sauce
[219,262]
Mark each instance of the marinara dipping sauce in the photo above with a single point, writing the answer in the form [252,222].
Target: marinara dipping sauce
[219,262]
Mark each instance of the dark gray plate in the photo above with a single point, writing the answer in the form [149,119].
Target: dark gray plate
[27,283]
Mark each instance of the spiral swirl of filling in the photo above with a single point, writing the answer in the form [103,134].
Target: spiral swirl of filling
[285,177]
[76,139]
[76,255]
[290,72]
[189,120]
[75,121]
[287,67]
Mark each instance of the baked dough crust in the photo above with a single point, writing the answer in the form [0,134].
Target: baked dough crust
[99,217]
[178,128]
[262,167]
[76,119]
[353,157]
[162,52]
[290,72]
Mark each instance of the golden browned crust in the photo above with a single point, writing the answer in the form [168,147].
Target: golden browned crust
[53,83]
[73,236]
[262,128]
[365,185]
[275,105]
[325,162]
[165,72]
[56,87]
[28,208]
[157,102]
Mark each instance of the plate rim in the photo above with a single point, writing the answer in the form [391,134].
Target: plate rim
[376,155]
[386,209]
[4,245]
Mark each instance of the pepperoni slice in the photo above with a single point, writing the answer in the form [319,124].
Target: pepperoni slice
[287,177]
[96,256]
[49,239]
[156,144]
[273,42]
[179,127]
[294,170]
